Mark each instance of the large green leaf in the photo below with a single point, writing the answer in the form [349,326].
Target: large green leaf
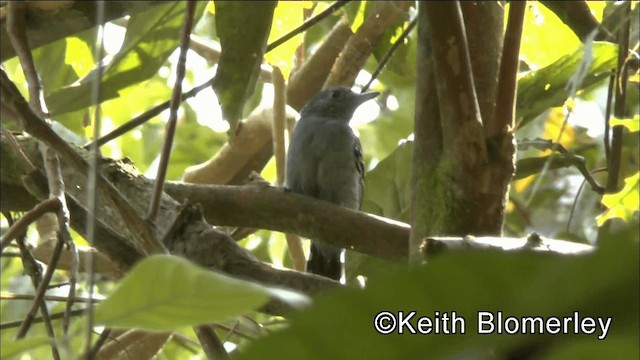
[243,29]
[381,136]
[602,284]
[11,349]
[388,186]
[548,87]
[545,38]
[53,70]
[193,144]
[166,292]
[150,38]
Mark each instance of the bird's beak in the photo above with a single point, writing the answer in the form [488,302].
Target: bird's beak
[361,98]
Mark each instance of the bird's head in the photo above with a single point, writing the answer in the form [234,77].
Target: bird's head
[338,103]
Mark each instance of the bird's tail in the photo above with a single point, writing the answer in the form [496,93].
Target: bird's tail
[325,260]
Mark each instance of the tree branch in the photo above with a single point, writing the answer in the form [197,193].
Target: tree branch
[507,82]
[363,42]
[427,147]
[459,109]
[266,207]
[432,246]
[578,17]
[185,231]
[170,129]
[34,125]
[46,206]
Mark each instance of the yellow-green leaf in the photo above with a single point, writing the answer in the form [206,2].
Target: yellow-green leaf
[287,16]
[622,204]
[632,125]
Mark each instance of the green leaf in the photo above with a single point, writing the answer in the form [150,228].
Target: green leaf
[166,292]
[287,16]
[398,62]
[544,36]
[545,88]
[614,347]
[243,37]
[52,67]
[388,186]
[622,204]
[604,284]
[632,125]
[193,144]
[381,136]
[10,349]
[151,37]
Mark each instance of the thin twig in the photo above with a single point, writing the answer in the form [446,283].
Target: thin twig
[17,34]
[96,347]
[586,180]
[57,191]
[390,53]
[42,288]
[146,116]
[531,166]
[33,269]
[46,298]
[46,206]
[549,160]
[38,320]
[307,24]
[620,96]
[73,280]
[93,174]
[16,29]
[575,160]
[53,286]
[173,113]
[607,115]
[573,206]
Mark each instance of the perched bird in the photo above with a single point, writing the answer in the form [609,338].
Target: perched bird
[325,161]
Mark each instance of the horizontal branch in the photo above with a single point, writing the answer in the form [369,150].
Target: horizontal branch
[186,233]
[437,245]
[266,207]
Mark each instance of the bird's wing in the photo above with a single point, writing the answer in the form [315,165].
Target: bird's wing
[357,150]
[301,178]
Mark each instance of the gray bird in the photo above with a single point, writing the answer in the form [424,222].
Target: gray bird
[325,161]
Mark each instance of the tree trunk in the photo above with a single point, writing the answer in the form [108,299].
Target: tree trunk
[463,162]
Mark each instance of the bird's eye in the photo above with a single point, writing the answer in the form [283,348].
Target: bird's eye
[335,94]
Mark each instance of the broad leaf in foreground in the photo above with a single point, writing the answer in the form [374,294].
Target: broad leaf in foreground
[165,292]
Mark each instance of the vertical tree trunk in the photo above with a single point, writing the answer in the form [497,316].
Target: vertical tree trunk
[462,166]
[427,145]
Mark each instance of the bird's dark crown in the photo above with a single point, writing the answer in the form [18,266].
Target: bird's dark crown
[338,103]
